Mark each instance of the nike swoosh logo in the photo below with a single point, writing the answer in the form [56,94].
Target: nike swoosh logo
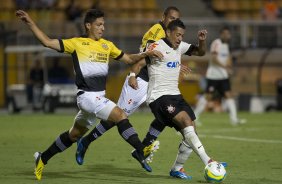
[200,146]
[167,52]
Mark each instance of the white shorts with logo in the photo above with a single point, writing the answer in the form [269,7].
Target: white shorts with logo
[130,99]
[93,105]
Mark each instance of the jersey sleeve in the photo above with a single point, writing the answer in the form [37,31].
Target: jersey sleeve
[115,52]
[155,33]
[67,45]
[187,48]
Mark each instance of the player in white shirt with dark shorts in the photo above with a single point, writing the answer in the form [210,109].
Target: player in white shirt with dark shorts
[218,80]
[164,97]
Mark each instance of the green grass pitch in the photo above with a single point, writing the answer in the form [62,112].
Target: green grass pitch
[253,151]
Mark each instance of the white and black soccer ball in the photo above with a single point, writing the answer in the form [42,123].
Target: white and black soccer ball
[215,172]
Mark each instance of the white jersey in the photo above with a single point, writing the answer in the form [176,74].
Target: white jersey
[164,74]
[217,72]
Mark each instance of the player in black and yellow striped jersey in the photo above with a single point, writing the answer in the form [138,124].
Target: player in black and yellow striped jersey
[91,56]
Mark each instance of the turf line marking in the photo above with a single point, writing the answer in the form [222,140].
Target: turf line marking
[242,139]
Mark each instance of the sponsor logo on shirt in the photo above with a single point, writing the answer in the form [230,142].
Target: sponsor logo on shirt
[85,43]
[98,57]
[172,64]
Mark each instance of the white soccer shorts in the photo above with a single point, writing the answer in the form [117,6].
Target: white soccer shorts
[130,99]
[93,105]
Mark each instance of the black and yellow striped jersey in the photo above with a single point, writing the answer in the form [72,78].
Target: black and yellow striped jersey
[90,60]
[155,33]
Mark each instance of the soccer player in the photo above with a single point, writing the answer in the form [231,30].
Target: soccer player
[164,98]
[130,99]
[91,55]
[217,76]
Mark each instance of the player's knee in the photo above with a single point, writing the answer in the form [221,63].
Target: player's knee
[117,115]
[76,132]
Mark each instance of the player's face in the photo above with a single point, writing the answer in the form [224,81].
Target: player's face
[225,36]
[96,28]
[176,36]
[172,15]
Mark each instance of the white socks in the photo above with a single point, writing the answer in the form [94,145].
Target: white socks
[201,105]
[232,109]
[192,140]
[184,151]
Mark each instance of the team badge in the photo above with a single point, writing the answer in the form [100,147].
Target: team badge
[170,109]
[105,46]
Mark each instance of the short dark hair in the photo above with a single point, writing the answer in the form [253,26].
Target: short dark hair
[174,24]
[224,28]
[168,9]
[92,14]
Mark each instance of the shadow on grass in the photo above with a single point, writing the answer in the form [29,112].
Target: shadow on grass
[101,172]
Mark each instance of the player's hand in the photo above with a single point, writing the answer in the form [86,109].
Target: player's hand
[132,82]
[154,53]
[24,16]
[202,35]
[185,69]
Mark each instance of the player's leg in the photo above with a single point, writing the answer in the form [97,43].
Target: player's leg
[200,106]
[154,131]
[128,133]
[62,142]
[129,100]
[97,132]
[185,123]
[225,89]
[110,112]
[203,100]
[177,170]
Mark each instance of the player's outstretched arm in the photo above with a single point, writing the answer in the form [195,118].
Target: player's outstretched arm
[42,37]
[133,58]
[200,50]
[135,70]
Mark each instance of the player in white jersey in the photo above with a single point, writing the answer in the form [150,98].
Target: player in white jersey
[219,69]
[164,97]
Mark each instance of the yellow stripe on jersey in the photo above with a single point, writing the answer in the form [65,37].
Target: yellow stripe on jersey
[88,49]
[155,33]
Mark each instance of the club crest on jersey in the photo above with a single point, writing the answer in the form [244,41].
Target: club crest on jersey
[105,46]
[170,109]
[172,64]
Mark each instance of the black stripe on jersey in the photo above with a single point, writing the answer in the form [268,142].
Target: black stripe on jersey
[79,79]
[190,50]
[62,48]
[95,83]
[120,56]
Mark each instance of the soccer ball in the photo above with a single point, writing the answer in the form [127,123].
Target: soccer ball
[215,172]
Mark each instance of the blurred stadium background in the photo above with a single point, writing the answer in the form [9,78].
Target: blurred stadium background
[256,43]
